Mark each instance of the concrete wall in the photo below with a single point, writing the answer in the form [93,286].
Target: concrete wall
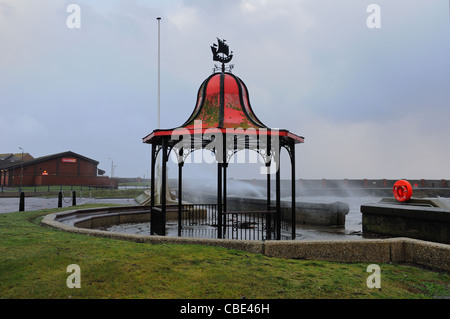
[412,219]
[395,250]
[337,187]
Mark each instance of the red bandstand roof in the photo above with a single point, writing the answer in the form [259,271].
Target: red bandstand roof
[223,105]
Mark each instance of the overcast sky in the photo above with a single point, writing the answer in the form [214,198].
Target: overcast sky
[370,102]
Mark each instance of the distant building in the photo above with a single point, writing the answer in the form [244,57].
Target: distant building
[67,168]
[7,159]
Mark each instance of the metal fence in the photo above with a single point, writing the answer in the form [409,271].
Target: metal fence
[51,188]
[256,225]
[201,221]
[199,215]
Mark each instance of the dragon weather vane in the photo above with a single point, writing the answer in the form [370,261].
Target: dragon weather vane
[221,53]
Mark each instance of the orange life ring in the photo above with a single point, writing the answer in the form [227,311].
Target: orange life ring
[402,190]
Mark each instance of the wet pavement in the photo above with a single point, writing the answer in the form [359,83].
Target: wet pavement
[9,205]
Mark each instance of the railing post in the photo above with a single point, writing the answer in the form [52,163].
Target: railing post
[22,202]
[60,199]
[74,198]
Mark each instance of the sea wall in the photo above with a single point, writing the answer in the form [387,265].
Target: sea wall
[323,214]
[330,187]
[425,219]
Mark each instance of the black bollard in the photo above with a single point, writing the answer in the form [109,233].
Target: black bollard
[22,202]
[59,199]
[74,198]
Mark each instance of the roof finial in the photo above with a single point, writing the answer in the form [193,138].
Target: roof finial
[221,53]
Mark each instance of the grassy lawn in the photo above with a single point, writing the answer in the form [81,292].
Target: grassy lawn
[34,260]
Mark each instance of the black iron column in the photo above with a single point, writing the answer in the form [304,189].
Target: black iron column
[222,100]
[224,181]
[293,193]
[163,193]
[268,186]
[153,216]
[268,216]
[219,200]
[224,199]
[268,164]
[180,195]
[225,166]
[152,181]
[278,191]
[220,162]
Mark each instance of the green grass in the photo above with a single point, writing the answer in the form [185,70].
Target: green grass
[34,259]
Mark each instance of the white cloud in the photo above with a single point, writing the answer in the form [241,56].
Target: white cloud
[410,147]
[185,19]
[24,130]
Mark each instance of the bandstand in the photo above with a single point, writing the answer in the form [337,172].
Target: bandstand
[224,123]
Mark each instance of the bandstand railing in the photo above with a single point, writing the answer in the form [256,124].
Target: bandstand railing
[202,220]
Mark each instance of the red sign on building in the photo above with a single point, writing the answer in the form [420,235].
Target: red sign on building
[69,160]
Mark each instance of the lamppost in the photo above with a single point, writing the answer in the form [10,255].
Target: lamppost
[112,172]
[112,167]
[159,73]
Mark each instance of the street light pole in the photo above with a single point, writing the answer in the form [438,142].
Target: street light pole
[112,167]
[159,74]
